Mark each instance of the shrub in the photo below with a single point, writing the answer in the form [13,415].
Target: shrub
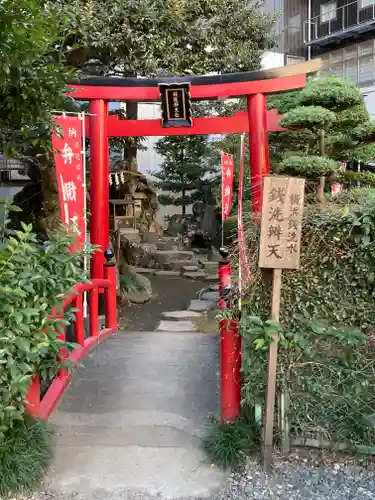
[24,455]
[128,284]
[34,280]
[228,444]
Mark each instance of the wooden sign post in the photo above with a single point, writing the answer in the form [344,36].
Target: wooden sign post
[280,241]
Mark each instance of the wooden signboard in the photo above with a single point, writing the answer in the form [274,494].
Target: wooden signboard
[280,243]
[175,104]
[281,222]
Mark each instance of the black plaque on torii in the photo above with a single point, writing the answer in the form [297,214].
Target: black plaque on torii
[175,105]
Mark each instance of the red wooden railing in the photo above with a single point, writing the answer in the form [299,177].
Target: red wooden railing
[42,407]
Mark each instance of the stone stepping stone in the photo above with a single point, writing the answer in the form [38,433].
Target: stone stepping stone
[181,315]
[166,245]
[210,265]
[190,269]
[211,277]
[195,275]
[164,256]
[201,305]
[214,296]
[176,326]
[179,264]
[167,273]
[143,270]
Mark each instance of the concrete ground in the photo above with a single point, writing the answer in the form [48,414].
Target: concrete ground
[129,426]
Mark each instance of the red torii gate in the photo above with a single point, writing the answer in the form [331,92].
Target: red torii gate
[257,121]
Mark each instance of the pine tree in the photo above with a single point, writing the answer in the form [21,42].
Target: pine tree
[185,172]
[328,124]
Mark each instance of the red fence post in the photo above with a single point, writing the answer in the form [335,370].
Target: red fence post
[230,349]
[94,312]
[33,397]
[110,293]
[79,327]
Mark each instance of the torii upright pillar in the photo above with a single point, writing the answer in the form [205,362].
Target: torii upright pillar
[258,144]
[99,192]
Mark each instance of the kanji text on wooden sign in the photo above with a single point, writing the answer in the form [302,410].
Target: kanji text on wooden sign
[281,223]
[175,104]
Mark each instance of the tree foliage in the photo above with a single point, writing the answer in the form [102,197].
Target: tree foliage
[163,37]
[32,77]
[184,171]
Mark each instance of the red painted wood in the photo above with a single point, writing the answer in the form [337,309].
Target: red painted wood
[226,90]
[230,355]
[79,326]
[94,311]
[236,124]
[258,143]
[99,184]
[110,297]
[33,397]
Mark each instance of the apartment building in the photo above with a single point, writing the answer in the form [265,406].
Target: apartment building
[341,32]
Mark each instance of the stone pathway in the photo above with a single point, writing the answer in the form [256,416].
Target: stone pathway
[130,425]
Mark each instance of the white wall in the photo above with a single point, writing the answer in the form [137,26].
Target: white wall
[272,60]
[149,160]
[369,98]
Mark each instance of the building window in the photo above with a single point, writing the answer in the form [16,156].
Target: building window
[366,69]
[366,3]
[328,11]
[351,69]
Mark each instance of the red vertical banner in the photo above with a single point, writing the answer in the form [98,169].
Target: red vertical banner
[244,269]
[227,174]
[67,142]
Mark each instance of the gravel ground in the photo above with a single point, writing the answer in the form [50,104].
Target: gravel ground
[297,479]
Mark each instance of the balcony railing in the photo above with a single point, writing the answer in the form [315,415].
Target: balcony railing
[13,170]
[351,17]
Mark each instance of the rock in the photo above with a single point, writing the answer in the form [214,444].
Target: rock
[164,256]
[148,247]
[143,293]
[137,297]
[214,288]
[150,237]
[195,275]
[181,315]
[176,326]
[155,227]
[201,305]
[166,245]
[143,281]
[209,225]
[213,296]
[214,255]
[167,273]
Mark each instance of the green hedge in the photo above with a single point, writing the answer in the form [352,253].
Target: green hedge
[327,345]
